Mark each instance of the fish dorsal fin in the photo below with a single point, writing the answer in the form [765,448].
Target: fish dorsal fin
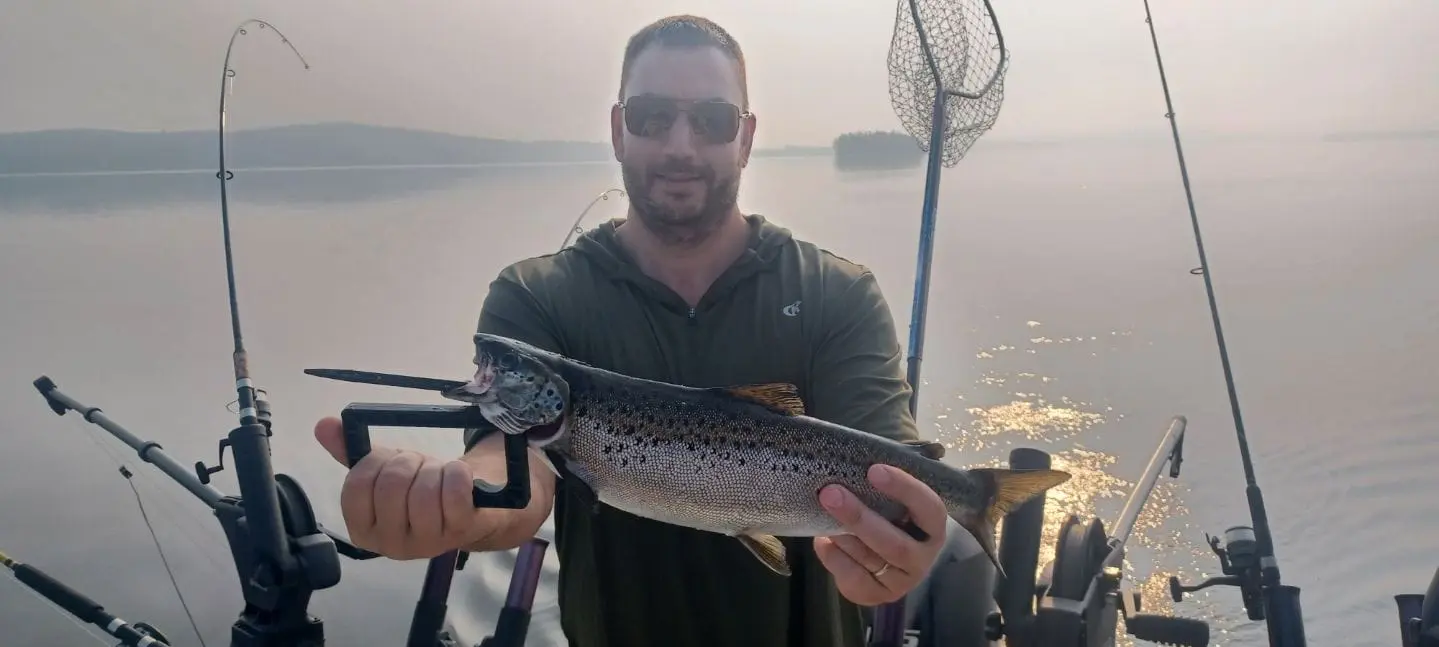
[926,448]
[779,397]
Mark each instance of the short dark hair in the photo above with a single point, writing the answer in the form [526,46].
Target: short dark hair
[684,31]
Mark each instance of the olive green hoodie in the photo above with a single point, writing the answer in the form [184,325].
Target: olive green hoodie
[786,311]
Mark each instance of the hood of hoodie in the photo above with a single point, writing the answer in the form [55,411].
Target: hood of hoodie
[608,257]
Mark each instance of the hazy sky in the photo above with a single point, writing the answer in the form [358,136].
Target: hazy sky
[545,69]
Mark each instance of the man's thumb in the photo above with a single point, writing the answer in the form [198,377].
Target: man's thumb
[331,435]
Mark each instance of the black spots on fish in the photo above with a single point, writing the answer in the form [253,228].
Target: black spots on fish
[797,460]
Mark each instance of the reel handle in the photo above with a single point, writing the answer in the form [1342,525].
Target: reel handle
[357,418]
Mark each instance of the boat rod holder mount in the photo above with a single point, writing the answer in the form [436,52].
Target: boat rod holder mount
[1077,600]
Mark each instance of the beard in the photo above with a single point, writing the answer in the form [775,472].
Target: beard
[682,222]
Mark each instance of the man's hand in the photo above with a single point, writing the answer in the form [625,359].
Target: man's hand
[877,562]
[403,504]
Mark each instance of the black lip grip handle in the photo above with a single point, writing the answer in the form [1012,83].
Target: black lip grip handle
[357,418]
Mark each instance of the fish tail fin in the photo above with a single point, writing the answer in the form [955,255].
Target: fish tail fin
[1005,490]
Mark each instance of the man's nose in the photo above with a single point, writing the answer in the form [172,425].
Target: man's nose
[681,140]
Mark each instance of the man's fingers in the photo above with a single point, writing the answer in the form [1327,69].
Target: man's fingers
[391,499]
[357,498]
[331,435]
[926,509]
[426,516]
[850,577]
[457,500]
[837,561]
[862,554]
[876,532]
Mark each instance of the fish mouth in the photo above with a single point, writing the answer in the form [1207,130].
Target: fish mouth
[477,390]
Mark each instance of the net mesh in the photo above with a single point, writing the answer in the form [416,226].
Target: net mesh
[963,38]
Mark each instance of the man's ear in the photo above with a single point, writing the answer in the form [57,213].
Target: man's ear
[617,130]
[746,139]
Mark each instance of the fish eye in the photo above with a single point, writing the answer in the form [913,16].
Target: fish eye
[508,361]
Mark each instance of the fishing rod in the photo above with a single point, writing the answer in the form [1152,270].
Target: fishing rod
[282,555]
[575,229]
[1248,562]
[83,608]
[946,87]
[1070,613]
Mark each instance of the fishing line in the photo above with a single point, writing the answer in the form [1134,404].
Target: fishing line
[128,475]
[168,571]
[185,530]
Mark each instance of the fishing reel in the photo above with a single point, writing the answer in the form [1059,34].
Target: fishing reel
[148,631]
[1077,599]
[1239,561]
[1246,558]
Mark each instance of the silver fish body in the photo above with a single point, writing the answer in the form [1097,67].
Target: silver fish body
[741,461]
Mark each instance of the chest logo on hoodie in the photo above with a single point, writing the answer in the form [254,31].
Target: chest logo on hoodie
[791,310]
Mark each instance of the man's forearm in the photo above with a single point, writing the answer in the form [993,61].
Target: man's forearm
[508,528]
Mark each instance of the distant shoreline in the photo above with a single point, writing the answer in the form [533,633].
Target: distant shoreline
[287,169]
[349,146]
[874,150]
[358,167]
[334,146]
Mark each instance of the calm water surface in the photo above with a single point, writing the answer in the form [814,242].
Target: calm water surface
[1062,316]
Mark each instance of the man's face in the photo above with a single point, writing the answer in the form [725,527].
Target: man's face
[681,139]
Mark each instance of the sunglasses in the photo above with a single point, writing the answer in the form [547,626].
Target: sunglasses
[716,122]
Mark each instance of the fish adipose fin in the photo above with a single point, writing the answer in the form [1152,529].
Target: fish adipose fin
[926,448]
[778,397]
[769,550]
[1007,489]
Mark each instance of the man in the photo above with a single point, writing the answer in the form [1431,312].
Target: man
[686,289]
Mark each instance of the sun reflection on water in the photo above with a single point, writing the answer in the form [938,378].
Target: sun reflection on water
[1163,541]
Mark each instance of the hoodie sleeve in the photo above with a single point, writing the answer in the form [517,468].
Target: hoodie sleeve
[511,310]
[858,377]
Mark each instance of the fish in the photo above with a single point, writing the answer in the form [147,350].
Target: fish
[744,461]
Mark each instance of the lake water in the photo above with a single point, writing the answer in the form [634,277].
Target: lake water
[1063,316]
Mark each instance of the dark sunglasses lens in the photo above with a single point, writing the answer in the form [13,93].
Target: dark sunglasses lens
[648,118]
[716,122]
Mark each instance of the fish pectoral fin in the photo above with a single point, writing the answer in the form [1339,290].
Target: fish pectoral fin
[779,397]
[769,550]
[926,448]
